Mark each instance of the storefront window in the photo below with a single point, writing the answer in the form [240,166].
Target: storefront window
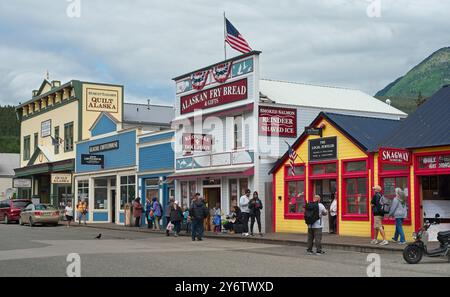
[329,168]
[393,167]
[355,166]
[127,190]
[299,171]
[101,193]
[391,183]
[152,189]
[356,196]
[296,197]
[188,189]
[237,189]
[83,190]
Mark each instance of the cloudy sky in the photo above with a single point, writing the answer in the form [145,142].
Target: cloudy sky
[142,44]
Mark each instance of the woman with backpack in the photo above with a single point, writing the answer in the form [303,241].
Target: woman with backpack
[399,211]
[157,213]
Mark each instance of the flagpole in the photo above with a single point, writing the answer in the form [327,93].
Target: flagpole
[224,35]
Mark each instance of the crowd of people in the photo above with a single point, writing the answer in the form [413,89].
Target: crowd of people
[192,219]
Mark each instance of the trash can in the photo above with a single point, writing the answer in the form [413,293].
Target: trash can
[128,214]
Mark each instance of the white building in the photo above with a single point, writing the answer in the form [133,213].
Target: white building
[231,126]
[7,164]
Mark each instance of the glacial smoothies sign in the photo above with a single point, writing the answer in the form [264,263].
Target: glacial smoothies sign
[395,156]
[102,100]
[277,121]
[220,95]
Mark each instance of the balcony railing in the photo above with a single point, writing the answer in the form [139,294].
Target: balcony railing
[215,160]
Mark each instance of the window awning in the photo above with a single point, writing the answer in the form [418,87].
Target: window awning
[212,172]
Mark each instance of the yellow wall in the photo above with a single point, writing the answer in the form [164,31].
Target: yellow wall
[346,150]
[89,116]
[62,115]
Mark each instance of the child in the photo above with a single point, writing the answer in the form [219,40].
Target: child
[186,220]
[217,219]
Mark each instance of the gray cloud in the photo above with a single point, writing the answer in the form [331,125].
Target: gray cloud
[143,44]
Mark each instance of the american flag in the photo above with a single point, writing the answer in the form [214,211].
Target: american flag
[235,39]
[292,156]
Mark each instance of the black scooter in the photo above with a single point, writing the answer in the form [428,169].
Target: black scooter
[414,252]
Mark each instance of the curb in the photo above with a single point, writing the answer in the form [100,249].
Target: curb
[332,246]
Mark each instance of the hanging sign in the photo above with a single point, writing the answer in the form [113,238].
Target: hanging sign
[197,142]
[87,159]
[276,121]
[313,131]
[395,156]
[220,95]
[323,149]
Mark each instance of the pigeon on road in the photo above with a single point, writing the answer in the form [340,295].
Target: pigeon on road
[99,236]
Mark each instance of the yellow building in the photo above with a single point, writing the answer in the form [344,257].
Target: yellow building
[57,116]
[344,156]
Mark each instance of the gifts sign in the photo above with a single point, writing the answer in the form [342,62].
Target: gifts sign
[220,95]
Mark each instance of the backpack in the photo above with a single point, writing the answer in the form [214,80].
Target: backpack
[312,213]
[385,204]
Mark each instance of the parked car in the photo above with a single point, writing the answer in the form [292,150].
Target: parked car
[39,214]
[10,209]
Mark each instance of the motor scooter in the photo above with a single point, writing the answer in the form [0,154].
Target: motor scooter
[414,252]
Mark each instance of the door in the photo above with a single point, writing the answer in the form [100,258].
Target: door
[113,205]
[212,198]
[326,189]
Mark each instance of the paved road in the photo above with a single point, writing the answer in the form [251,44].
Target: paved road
[42,251]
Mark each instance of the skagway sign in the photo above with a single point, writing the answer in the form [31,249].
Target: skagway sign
[113,145]
[395,156]
[220,95]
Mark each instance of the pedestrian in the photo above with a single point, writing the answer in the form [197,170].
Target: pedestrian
[82,211]
[167,212]
[314,211]
[149,215]
[378,214]
[399,211]
[68,212]
[137,211]
[243,204]
[232,219]
[333,214]
[157,213]
[255,206]
[176,215]
[187,220]
[217,218]
[198,212]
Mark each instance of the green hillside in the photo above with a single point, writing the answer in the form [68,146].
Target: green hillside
[421,81]
[9,130]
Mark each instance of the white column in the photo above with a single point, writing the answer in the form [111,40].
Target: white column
[91,204]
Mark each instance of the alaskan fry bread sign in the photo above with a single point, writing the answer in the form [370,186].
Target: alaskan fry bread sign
[102,100]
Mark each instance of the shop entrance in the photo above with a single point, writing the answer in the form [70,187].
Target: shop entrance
[212,197]
[435,194]
[326,189]
[113,206]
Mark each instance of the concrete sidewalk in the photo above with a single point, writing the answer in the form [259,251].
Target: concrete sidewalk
[329,241]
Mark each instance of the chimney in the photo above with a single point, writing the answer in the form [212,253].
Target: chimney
[148,104]
[56,83]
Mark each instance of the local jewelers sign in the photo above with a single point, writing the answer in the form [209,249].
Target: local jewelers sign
[275,121]
[197,142]
[220,95]
[395,156]
[102,100]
